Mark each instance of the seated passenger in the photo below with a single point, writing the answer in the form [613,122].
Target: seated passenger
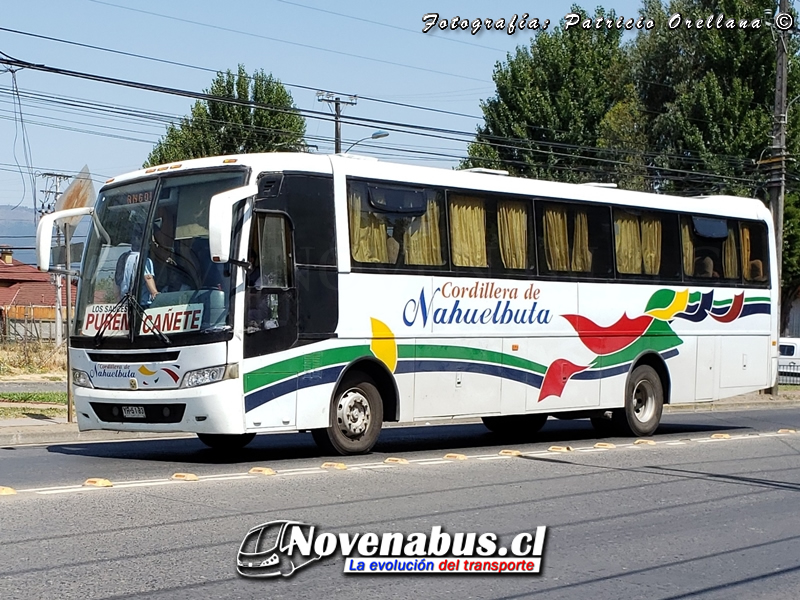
[756,271]
[705,267]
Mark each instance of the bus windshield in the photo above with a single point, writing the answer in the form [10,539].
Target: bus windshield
[149,245]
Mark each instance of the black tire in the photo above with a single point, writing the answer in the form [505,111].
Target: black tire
[226,441]
[603,426]
[644,402]
[515,425]
[356,417]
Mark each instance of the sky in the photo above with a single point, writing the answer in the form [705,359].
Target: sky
[373,50]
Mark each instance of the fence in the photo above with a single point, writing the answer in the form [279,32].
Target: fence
[788,374]
[29,323]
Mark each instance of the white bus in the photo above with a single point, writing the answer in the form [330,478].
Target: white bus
[269,293]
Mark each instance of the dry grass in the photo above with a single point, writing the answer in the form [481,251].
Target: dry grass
[19,412]
[32,357]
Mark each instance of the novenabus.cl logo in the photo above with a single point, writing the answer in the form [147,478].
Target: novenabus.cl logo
[267,551]
[282,547]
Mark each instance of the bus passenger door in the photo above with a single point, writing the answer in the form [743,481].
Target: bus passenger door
[270,322]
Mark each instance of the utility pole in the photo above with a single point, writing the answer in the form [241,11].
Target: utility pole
[48,207]
[51,194]
[777,183]
[337,102]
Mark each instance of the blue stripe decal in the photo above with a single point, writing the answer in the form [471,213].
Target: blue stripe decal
[306,380]
[331,374]
[755,308]
[451,366]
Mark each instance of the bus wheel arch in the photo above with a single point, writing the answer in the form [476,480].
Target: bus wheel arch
[383,380]
[657,362]
[646,391]
[363,393]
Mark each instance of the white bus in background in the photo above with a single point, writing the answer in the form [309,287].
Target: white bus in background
[269,293]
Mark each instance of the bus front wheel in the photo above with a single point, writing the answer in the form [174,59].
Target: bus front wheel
[356,417]
[644,402]
[226,441]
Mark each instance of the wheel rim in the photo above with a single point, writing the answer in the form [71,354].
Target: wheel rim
[644,401]
[353,414]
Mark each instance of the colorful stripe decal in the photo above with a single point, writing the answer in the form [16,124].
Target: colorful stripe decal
[331,374]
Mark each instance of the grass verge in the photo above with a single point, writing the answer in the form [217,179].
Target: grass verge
[35,397]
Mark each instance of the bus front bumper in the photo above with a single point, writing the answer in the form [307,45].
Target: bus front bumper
[213,408]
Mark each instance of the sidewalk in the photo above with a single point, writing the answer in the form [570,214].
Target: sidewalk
[43,430]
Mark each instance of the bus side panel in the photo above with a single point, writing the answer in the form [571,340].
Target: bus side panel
[745,362]
[462,382]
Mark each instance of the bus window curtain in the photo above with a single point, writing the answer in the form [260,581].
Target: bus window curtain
[422,240]
[468,231]
[730,262]
[628,243]
[750,271]
[512,224]
[688,247]
[556,239]
[651,244]
[581,255]
[367,232]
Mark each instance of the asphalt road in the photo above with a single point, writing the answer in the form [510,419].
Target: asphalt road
[689,517]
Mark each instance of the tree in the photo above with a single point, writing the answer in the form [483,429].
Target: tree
[550,100]
[707,96]
[217,128]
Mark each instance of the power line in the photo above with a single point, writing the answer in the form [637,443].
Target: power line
[210,70]
[433,132]
[471,44]
[298,44]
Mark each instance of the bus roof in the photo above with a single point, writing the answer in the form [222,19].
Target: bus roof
[371,168]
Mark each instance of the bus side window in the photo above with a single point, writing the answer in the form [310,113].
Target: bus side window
[574,238]
[269,274]
[711,248]
[755,263]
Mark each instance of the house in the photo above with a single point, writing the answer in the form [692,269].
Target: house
[26,293]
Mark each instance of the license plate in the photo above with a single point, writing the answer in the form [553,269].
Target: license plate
[133,412]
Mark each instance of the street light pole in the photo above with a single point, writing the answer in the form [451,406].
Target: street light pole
[375,136]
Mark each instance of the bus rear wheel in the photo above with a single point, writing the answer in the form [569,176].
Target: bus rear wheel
[356,417]
[226,441]
[515,425]
[644,403]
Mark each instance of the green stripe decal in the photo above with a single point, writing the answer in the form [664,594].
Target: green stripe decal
[301,364]
[424,351]
[757,299]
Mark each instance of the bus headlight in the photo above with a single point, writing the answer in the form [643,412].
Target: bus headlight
[210,375]
[81,378]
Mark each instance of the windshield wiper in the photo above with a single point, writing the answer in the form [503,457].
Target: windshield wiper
[130,302]
[133,303]
[98,337]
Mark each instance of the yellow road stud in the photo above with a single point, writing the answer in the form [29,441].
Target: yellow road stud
[721,436]
[560,449]
[510,453]
[454,456]
[262,471]
[787,431]
[607,445]
[393,460]
[7,491]
[98,482]
[334,465]
[641,442]
[185,477]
